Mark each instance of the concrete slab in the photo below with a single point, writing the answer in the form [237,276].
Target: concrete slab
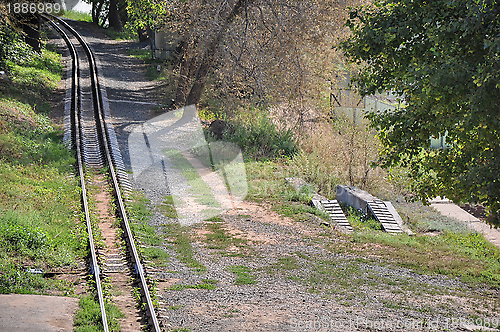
[27,313]
[449,209]
[355,197]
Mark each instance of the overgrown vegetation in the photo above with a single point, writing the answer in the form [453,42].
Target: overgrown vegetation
[259,138]
[463,51]
[32,77]
[243,275]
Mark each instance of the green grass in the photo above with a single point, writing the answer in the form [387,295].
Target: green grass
[286,263]
[152,242]
[260,139]
[140,53]
[468,256]
[266,183]
[219,238]
[39,198]
[180,238]
[176,307]
[77,16]
[127,33]
[242,274]
[88,316]
[456,252]
[157,255]
[180,287]
[33,77]
[152,72]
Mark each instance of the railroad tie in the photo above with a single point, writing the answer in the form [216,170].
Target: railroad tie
[335,212]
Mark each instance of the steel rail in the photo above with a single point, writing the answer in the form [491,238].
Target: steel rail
[77,141]
[104,135]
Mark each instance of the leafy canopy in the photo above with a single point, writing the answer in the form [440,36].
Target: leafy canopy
[443,57]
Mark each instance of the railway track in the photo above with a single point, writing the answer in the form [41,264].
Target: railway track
[95,146]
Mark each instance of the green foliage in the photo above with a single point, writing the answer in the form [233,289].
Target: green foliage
[442,57]
[146,13]
[32,76]
[19,281]
[7,37]
[260,139]
[28,137]
[18,234]
[126,34]
[39,199]
[359,220]
[181,240]
[465,255]
[206,284]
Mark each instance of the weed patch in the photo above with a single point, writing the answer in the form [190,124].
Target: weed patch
[205,285]
[181,240]
[261,140]
[77,16]
[242,274]
[219,238]
[468,256]
[88,317]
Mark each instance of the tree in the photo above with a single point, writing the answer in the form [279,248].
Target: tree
[443,58]
[112,12]
[257,52]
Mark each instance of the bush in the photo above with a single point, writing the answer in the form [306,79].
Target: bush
[262,140]
[21,235]
[7,36]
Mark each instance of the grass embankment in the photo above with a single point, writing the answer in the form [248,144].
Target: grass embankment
[40,219]
[39,198]
[77,16]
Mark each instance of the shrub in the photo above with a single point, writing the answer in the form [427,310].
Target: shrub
[262,140]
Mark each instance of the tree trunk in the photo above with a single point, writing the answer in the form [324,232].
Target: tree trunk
[113,17]
[142,34]
[96,11]
[200,75]
[186,70]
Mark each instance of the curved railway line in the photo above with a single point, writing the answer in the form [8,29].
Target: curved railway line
[95,146]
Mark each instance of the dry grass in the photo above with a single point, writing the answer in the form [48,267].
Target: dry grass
[341,152]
